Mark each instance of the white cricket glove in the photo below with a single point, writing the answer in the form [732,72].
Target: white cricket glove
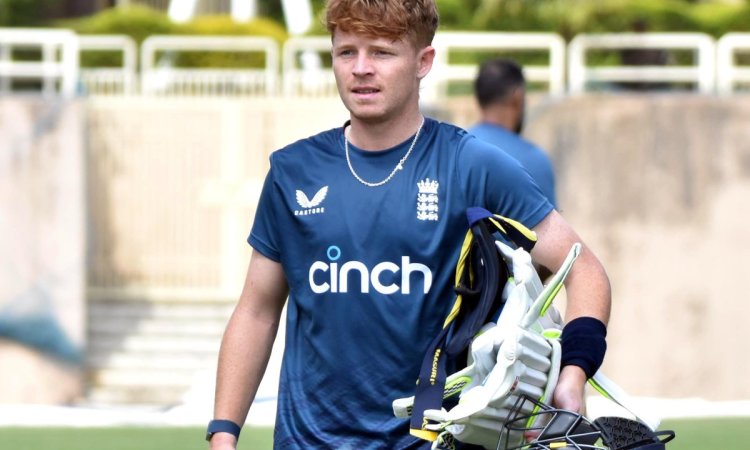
[527,364]
[506,360]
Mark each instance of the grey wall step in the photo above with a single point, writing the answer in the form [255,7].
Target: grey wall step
[150,351]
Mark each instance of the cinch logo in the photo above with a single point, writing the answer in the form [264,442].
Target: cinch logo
[335,277]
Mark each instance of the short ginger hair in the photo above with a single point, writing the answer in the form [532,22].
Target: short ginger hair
[416,20]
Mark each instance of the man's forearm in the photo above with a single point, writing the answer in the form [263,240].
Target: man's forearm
[588,290]
[243,357]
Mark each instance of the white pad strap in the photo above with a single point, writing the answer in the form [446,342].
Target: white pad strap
[610,390]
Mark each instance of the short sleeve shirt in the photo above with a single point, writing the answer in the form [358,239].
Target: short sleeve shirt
[370,271]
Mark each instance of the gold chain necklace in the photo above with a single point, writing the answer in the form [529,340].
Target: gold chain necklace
[398,167]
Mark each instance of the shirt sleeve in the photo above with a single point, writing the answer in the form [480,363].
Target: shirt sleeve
[497,182]
[264,232]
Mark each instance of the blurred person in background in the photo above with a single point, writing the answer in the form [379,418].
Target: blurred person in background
[358,230]
[645,57]
[500,91]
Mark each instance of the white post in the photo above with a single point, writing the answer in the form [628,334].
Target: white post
[298,15]
[49,60]
[244,10]
[182,10]
[6,58]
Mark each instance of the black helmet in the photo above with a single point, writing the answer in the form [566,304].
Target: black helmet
[543,427]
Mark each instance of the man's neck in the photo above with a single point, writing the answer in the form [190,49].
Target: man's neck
[501,116]
[382,135]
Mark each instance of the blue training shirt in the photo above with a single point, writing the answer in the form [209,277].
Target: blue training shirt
[371,272]
[531,157]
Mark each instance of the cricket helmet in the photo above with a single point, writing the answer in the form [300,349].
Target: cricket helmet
[546,428]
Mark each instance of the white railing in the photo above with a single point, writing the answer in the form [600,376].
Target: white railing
[449,43]
[303,72]
[162,79]
[729,74]
[304,68]
[110,80]
[202,6]
[313,79]
[56,69]
[701,73]
[161,5]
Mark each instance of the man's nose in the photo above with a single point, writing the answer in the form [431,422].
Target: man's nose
[362,65]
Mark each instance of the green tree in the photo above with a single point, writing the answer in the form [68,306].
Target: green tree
[23,13]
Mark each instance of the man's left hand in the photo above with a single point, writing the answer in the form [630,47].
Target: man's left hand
[569,393]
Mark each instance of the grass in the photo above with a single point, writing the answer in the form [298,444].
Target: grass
[692,434]
[123,438]
[709,434]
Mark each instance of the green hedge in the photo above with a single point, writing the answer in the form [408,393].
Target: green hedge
[140,22]
[23,13]
[565,17]
[223,25]
[571,17]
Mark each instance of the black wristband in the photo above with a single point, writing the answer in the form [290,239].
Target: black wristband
[583,344]
[222,426]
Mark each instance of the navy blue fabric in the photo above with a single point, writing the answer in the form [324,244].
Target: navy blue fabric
[225,426]
[531,157]
[583,344]
[475,214]
[478,304]
[370,271]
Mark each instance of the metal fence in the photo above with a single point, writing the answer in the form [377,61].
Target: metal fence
[201,6]
[303,69]
[117,80]
[649,61]
[159,76]
[450,46]
[301,66]
[44,60]
[731,74]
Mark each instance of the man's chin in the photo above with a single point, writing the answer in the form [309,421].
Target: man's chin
[368,116]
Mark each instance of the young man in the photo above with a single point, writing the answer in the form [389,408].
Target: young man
[500,91]
[368,263]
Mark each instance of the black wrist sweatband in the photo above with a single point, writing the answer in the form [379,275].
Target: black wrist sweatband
[583,344]
[222,426]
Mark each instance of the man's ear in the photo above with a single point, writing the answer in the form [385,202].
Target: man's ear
[426,57]
[518,98]
[514,105]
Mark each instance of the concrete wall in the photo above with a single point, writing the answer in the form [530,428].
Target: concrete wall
[656,184]
[659,186]
[172,188]
[42,244]
[172,184]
